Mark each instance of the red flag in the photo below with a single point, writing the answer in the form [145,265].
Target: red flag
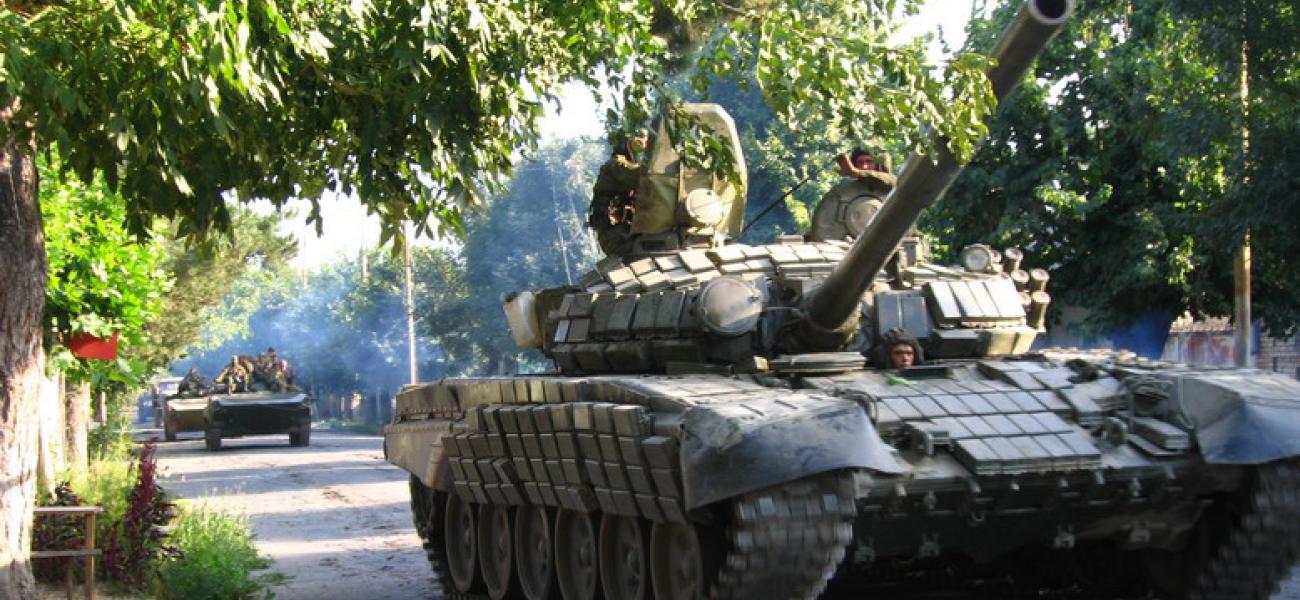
[84,345]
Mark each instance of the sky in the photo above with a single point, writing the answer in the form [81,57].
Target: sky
[347,228]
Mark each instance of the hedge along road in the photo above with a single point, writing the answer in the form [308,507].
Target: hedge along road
[334,516]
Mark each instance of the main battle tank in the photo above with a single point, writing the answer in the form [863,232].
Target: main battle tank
[722,422]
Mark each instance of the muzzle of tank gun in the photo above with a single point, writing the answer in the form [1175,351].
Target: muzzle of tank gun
[925,179]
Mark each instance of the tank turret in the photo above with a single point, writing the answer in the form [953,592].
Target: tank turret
[684,300]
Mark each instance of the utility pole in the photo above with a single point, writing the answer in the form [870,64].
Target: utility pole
[410,303]
[1241,329]
[1241,319]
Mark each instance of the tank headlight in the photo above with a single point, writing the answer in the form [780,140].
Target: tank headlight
[978,258]
[704,208]
[729,306]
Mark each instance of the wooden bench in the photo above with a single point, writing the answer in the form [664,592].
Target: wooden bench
[87,552]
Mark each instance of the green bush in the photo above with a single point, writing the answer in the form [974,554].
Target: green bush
[105,483]
[135,508]
[217,559]
[111,440]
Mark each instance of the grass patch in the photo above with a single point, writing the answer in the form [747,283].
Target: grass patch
[217,559]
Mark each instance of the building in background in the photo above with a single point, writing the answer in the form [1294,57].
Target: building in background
[1210,341]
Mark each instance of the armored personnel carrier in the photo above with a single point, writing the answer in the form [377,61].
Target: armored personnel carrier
[220,412]
[728,421]
[234,415]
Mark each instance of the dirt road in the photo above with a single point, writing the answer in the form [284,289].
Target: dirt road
[333,516]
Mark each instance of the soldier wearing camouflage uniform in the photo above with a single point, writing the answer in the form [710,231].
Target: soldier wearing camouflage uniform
[234,376]
[613,195]
[193,384]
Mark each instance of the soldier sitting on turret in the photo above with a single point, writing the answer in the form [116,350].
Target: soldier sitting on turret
[193,384]
[898,349]
[613,195]
[872,166]
[234,376]
[845,210]
[281,380]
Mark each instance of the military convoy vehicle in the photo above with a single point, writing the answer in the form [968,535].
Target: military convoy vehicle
[159,390]
[182,413]
[257,413]
[724,420]
[222,413]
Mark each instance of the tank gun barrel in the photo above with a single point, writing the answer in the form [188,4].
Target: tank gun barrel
[924,180]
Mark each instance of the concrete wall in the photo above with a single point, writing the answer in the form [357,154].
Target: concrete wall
[1281,355]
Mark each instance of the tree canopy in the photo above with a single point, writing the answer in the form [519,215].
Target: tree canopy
[1121,167]
[419,108]
[216,283]
[100,280]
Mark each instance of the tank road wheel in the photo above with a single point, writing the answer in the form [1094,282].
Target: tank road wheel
[1249,551]
[575,555]
[461,537]
[534,556]
[624,562]
[678,566]
[495,551]
[427,508]
[212,439]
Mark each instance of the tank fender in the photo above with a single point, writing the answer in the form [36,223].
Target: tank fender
[416,447]
[1242,417]
[735,448]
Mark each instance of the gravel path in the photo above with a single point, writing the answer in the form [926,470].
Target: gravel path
[334,516]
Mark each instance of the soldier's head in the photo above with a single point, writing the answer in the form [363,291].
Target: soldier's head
[898,349]
[865,161]
[871,159]
[630,144]
[901,356]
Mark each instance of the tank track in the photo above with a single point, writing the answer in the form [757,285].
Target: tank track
[783,542]
[1265,544]
[787,541]
[428,525]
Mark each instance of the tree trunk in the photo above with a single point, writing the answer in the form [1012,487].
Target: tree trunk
[77,408]
[22,302]
[52,422]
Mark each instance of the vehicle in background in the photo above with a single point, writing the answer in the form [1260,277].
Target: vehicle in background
[150,403]
[254,396]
